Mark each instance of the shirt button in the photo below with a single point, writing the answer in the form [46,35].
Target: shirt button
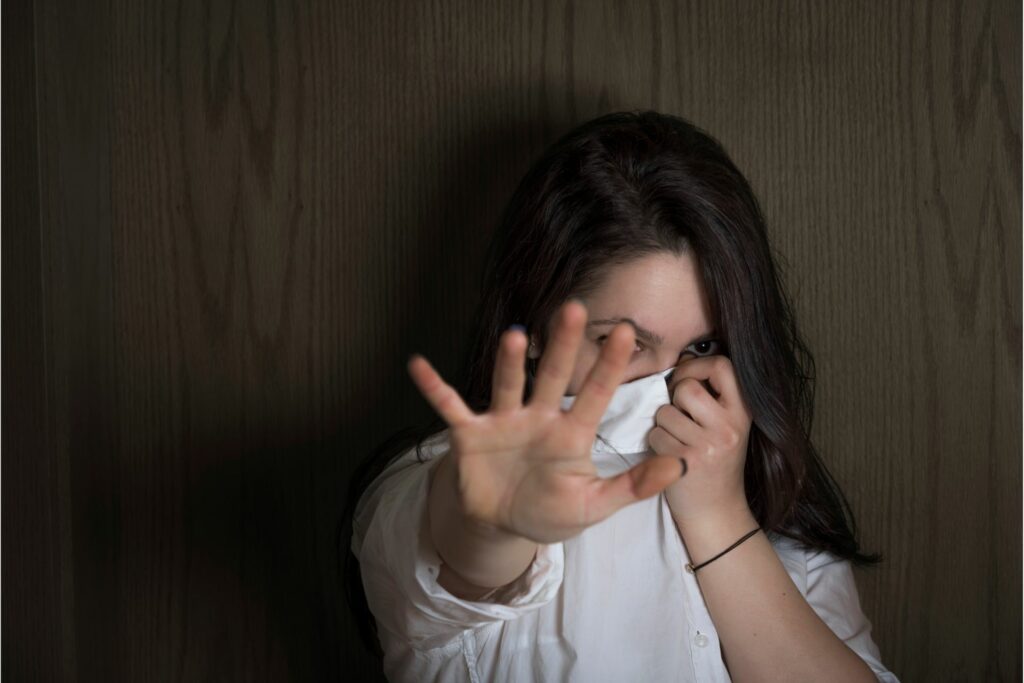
[701,640]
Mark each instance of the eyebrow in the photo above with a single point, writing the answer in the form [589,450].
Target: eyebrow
[646,335]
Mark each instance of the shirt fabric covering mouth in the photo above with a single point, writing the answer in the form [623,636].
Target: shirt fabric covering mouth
[613,603]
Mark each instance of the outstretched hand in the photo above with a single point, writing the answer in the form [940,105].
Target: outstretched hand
[527,469]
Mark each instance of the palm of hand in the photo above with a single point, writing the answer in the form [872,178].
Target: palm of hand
[527,473]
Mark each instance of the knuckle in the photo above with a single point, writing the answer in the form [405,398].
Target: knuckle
[445,397]
[661,444]
[506,385]
[550,369]
[677,399]
[601,386]
[691,387]
[697,388]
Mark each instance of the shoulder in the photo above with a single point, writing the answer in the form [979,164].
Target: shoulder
[428,450]
[436,444]
[798,550]
[395,479]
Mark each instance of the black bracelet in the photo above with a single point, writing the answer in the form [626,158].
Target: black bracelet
[690,568]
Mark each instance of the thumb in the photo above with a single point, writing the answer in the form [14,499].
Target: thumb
[650,477]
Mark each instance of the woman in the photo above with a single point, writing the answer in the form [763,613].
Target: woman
[624,486]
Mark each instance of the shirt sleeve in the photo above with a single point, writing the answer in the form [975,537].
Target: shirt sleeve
[400,565]
[832,593]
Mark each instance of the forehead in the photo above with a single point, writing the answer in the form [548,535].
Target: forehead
[663,292]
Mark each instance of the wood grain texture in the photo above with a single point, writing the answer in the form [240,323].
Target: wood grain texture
[229,224]
[33,610]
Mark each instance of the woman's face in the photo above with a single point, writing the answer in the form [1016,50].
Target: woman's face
[663,295]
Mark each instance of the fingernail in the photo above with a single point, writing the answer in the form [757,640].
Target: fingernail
[517,326]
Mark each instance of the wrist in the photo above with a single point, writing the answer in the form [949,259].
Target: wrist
[709,534]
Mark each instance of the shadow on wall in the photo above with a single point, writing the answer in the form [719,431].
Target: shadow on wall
[261,524]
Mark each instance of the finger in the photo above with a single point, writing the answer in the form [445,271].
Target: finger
[650,477]
[717,371]
[443,398]
[605,377]
[663,442]
[559,358]
[692,398]
[678,425]
[509,372]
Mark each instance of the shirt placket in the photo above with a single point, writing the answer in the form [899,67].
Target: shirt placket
[704,646]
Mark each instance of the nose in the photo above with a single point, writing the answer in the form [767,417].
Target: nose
[640,373]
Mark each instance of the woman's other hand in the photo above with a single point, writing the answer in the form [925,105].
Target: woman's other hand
[710,432]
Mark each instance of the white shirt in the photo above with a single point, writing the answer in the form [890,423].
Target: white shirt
[613,603]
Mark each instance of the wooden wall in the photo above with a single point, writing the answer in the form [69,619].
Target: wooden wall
[226,226]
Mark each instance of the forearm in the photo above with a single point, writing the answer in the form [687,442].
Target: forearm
[767,629]
[478,558]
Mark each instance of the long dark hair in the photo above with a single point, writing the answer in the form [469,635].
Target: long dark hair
[622,186]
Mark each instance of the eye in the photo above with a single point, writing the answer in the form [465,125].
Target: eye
[715,344]
[600,341]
